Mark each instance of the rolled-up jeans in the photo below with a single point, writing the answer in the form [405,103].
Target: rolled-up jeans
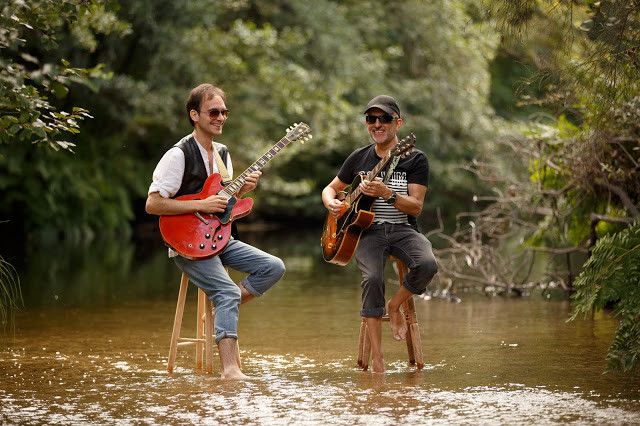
[382,240]
[263,269]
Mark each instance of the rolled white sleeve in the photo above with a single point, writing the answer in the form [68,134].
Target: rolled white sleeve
[167,176]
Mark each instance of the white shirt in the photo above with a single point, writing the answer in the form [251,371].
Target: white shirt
[167,176]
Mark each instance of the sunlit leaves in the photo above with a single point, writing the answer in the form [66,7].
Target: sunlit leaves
[93,18]
[31,84]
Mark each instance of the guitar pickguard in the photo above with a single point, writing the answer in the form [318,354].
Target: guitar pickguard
[225,216]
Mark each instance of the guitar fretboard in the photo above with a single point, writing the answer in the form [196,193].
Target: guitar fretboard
[231,189]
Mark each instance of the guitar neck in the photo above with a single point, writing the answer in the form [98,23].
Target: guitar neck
[370,175]
[232,189]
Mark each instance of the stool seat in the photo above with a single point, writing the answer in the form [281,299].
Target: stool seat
[204,330]
[413,339]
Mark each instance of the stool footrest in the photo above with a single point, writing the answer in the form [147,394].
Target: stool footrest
[190,340]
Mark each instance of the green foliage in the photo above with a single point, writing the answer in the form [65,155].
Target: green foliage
[43,190]
[31,82]
[289,61]
[611,277]
[589,48]
[280,62]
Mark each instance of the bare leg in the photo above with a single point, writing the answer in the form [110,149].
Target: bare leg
[396,319]
[228,350]
[238,359]
[374,328]
[245,296]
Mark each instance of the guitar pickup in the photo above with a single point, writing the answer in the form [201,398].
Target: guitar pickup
[201,218]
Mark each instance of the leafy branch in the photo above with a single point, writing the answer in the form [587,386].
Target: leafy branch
[611,276]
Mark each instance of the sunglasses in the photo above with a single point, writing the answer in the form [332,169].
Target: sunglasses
[384,119]
[215,113]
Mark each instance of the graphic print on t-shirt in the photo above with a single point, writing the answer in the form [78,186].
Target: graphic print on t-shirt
[385,212]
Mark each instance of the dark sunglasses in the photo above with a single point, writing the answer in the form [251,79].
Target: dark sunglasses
[215,113]
[384,119]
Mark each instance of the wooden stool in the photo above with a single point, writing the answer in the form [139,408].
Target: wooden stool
[204,329]
[414,342]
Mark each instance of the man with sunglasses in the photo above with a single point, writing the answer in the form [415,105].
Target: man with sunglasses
[397,201]
[183,170]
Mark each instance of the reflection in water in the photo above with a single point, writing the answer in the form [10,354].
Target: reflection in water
[91,348]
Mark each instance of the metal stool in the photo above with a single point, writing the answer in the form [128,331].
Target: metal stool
[414,342]
[204,329]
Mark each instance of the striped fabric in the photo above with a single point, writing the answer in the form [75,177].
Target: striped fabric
[385,212]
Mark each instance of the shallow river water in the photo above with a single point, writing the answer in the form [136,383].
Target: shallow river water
[91,345]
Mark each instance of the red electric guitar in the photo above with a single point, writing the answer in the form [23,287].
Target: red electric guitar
[202,235]
[340,236]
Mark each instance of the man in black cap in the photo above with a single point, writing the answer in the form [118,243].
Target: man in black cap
[397,201]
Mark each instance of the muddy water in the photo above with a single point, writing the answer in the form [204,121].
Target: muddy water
[91,348]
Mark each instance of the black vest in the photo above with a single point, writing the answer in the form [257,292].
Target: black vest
[195,171]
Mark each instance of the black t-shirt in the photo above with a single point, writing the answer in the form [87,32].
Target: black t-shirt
[411,169]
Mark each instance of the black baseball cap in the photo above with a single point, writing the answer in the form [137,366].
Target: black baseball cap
[385,103]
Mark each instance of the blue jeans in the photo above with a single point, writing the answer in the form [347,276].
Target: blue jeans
[211,276]
[382,240]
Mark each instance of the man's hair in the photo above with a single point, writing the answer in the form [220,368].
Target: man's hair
[200,93]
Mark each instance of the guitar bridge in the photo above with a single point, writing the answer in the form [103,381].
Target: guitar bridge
[201,218]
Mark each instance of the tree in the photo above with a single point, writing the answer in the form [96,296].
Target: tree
[611,276]
[31,83]
[29,80]
[36,112]
[576,166]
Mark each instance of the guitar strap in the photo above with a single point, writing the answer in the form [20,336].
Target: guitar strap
[226,178]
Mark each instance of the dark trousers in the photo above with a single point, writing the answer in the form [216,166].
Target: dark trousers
[382,240]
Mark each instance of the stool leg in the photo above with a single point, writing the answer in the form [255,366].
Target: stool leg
[417,345]
[238,357]
[200,320]
[414,342]
[410,348]
[361,337]
[177,322]
[208,334]
[366,349]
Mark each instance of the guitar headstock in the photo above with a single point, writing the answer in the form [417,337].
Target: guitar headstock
[405,146]
[299,132]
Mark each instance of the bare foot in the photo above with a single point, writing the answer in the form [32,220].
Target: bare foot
[398,323]
[233,374]
[229,359]
[377,365]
